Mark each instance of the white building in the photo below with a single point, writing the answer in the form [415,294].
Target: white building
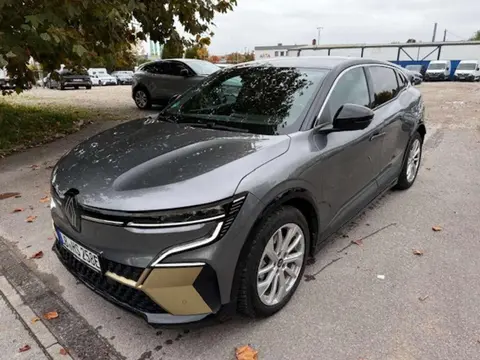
[262,52]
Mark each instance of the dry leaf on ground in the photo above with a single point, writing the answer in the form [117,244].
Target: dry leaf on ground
[24,348]
[417,252]
[436,228]
[34,167]
[358,242]
[8,195]
[35,319]
[31,218]
[246,353]
[50,315]
[50,238]
[63,351]
[16,210]
[45,199]
[37,255]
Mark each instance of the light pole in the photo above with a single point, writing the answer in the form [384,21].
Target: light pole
[319,30]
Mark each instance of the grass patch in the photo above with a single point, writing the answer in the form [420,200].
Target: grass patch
[25,126]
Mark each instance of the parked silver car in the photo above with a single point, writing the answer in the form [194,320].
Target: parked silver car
[123,77]
[158,81]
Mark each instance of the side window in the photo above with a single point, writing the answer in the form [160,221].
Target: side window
[176,68]
[276,53]
[155,68]
[402,80]
[385,86]
[352,88]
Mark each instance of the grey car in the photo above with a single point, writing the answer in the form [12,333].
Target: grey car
[215,205]
[159,81]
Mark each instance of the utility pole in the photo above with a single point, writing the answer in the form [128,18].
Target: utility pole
[319,30]
[445,35]
[434,32]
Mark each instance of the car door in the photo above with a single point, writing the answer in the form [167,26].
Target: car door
[348,161]
[182,77]
[155,79]
[389,104]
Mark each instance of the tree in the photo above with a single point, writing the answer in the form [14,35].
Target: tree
[173,48]
[214,59]
[197,52]
[476,36]
[78,33]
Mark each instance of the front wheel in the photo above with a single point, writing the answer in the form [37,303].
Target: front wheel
[142,99]
[273,267]
[412,163]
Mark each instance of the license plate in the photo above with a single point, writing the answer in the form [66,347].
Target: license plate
[81,253]
[77,80]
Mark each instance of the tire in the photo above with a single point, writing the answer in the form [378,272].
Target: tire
[89,87]
[406,179]
[142,99]
[249,301]
[76,87]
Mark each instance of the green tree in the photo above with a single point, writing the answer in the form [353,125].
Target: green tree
[78,33]
[476,36]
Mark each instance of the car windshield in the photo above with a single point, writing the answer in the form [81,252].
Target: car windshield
[71,72]
[436,66]
[203,67]
[259,99]
[123,72]
[416,68]
[103,75]
[466,66]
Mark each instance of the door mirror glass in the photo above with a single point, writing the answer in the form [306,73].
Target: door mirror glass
[352,117]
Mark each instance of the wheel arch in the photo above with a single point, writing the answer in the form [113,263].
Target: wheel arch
[422,130]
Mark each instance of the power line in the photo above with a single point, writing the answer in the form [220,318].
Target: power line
[459,37]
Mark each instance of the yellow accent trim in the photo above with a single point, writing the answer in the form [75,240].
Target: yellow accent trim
[172,289]
[142,277]
[121,279]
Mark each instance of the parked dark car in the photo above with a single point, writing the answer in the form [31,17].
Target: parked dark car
[62,79]
[157,82]
[217,203]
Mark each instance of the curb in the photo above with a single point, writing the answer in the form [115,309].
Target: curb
[41,334]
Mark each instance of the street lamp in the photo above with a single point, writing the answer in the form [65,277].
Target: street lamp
[319,30]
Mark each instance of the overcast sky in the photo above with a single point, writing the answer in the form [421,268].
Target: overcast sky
[268,22]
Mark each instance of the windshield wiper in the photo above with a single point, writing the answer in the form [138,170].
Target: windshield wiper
[212,125]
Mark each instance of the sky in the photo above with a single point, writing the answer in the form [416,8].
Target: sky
[268,22]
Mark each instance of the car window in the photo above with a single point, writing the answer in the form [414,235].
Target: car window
[402,81]
[156,68]
[176,67]
[261,99]
[351,88]
[385,86]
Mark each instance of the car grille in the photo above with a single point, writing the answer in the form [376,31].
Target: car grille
[127,295]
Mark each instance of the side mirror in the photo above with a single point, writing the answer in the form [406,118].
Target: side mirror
[448,68]
[352,117]
[184,73]
[173,98]
[478,68]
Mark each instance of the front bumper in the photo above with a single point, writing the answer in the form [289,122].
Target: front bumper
[184,287]
[77,83]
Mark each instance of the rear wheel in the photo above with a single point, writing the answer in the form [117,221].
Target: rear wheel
[412,163]
[89,87]
[273,267]
[76,87]
[142,99]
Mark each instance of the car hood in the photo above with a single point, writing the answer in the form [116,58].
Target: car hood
[147,165]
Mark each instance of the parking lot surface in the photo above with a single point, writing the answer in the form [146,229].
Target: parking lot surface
[376,301]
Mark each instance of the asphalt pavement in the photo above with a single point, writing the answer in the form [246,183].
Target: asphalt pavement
[376,300]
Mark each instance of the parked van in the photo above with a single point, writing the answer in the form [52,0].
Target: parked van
[438,70]
[468,70]
[100,76]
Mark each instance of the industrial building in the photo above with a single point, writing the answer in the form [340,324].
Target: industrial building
[403,54]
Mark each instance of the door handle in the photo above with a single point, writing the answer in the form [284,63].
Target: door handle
[377,135]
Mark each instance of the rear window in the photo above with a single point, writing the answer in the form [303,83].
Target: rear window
[203,67]
[70,72]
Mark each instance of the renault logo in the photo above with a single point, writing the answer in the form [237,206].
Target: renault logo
[70,209]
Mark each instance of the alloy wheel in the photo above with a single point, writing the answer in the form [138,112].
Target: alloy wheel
[413,160]
[141,99]
[280,264]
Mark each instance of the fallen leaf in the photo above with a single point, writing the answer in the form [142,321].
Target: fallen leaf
[63,351]
[309,278]
[8,195]
[50,315]
[24,348]
[18,196]
[436,228]
[49,167]
[45,199]
[423,298]
[417,252]
[37,255]
[358,242]
[50,238]
[16,210]
[35,319]
[246,353]
[31,218]
[429,169]
[34,167]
